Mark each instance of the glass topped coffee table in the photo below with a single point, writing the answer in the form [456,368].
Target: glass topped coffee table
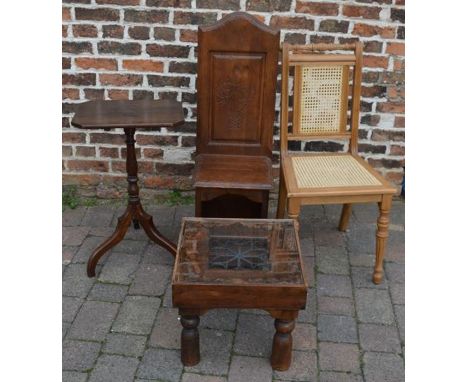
[239,263]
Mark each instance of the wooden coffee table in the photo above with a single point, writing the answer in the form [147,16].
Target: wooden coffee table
[239,263]
[129,115]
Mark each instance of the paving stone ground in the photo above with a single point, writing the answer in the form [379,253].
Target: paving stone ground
[120,326]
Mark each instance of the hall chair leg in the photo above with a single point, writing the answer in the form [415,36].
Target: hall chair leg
[345,216]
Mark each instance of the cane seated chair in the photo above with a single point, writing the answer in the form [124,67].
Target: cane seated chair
[325,87]
[237,71]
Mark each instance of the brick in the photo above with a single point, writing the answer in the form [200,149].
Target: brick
[337,328]
[380,367]
[373,149]
[112,31]
[114,47]
[303,368]
[361,11]
[94,94]
[396,48]
[397,150]
[367,30]
[108,292]
[192,18]
[304,337]
[188,141]
[76,47]
[252,332]
[319,146]
[125,344]
[333,376]
[67,151]
[268,6]
[120,79]
[215,349]
[96,63]
[148,17]
[339,357]
[119,2]
[334,285]
[84,30]
[118,94]
[401,33]
[73,137]
[189,377]
[152,360]
[119,269]
[167,34]
[74,236]
[373,47]
[287,22]
[151,153]
[68,107]
[391,107]
[66,62]
[70,93]
[183,67]
[295,38]
[74,376]
[335,305]
[97,14]
[232,5]
[317,9]
[379,338]
[388,135]
[150,280]
[139,32]
[70,306]
[159,81]
[87,165]
[398,14]
[143,65]
[158,140]
[93,321]
[222,319]
[400,317]
[169,3]
[188,35]
[373,91]
[167,50]
[66,14]
[332,260]
[375,61]
[174,168]
[370,119]
[250,369]
[136,315]
[114,368]
[143,94]
[79,355]
[166,331]
[115,139]
[64,30]
[374,306]
[322,39]
[334,26]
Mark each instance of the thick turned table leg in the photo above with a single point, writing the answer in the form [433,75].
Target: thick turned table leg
[282,345]
[381,237]
[134,212]
[190,341]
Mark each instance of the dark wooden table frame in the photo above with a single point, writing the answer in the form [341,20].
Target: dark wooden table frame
[129,115]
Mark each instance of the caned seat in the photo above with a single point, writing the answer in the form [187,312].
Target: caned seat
[326,100]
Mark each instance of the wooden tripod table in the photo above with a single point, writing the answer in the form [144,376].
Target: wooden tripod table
[243,264]
[129,115]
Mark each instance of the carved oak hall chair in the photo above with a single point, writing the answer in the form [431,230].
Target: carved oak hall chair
[237,71]
[326,85]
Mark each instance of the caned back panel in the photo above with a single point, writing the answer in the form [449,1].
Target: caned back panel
[320,99]
[237,70]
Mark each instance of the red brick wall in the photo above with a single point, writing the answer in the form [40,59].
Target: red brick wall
[135,49]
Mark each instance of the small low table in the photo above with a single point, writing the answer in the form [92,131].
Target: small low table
[239,263]
[129,115]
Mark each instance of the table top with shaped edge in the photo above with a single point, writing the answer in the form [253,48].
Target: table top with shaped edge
[128,113]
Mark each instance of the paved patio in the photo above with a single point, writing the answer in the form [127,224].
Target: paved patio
[120,326]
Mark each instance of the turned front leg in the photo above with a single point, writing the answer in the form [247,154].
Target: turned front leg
[381,237]
[282,345]
[190,341]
